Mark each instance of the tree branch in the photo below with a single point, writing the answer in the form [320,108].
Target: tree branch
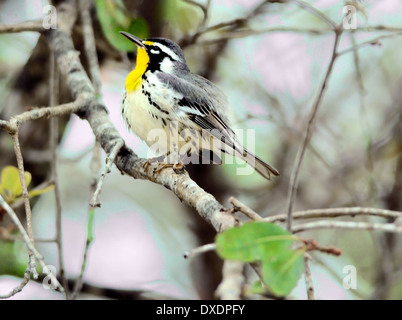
[35,26]
[293,184]
[29,243]
[351,225]
[336,212]
[232,281]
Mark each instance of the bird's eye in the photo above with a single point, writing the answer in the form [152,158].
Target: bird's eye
[153,51]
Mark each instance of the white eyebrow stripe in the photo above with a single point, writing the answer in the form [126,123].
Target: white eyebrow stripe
[167,51]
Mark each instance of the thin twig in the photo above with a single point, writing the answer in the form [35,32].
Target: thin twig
[351,225]
[372,42]
[14,123]
[243,33]
[15,205]
[312,245]
[336,212]
[231,25]
[309,131]
[246,32]
[95,201]
[308,278]
[199,250]
[24,282]
[25,195]
[308,7]
[95,167]
[79,282]
[35,26]
[239,206]
[204,8]
[54,167]
[29,243]
[364,116]
[90,46]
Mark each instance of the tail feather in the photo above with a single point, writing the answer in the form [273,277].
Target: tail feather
[234,148]
[259,165]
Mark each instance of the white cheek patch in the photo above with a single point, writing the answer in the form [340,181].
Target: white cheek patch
[167,65]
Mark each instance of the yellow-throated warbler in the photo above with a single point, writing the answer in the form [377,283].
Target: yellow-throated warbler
[176,112]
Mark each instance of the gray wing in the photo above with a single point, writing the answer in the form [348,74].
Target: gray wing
[204,104]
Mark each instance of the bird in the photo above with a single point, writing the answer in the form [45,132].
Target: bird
[178,113]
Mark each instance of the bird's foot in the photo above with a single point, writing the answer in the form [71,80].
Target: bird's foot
[152,161]
[178,167]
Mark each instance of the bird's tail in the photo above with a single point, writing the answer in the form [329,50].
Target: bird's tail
[235,148]
[259,165]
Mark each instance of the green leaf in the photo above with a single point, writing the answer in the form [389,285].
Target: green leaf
[268,244]
[139,27]
[254,241]
[114,17]
[37,192]
[2,192]
[10,181]
[282,272]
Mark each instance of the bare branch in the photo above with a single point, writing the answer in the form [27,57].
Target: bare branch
[35,26]
[204,8]
[25,195]
[243,33]
[232,281]
[308,278]
[13,124]
[54,167]
[324,224]
[246,32]
[371,42]
[231,25]
[90,45]
[94,167]
[239,206]
[199,250]
[20,201]
[337,212]
[95,201]
[309,131]
[315,12]
[24,282]
[29,243]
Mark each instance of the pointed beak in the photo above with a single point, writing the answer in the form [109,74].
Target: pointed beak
[134,39]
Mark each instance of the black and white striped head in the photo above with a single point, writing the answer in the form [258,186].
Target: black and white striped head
[164,55]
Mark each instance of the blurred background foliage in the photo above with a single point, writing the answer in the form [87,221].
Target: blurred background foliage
[271,80]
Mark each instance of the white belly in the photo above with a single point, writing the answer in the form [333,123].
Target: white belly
[136,111]
[160,126]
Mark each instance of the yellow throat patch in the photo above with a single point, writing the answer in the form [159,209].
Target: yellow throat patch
[133,80]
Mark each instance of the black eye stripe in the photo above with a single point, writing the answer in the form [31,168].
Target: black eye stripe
[156,58]
[159,53]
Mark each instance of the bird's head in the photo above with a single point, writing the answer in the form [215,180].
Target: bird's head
[158,54]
